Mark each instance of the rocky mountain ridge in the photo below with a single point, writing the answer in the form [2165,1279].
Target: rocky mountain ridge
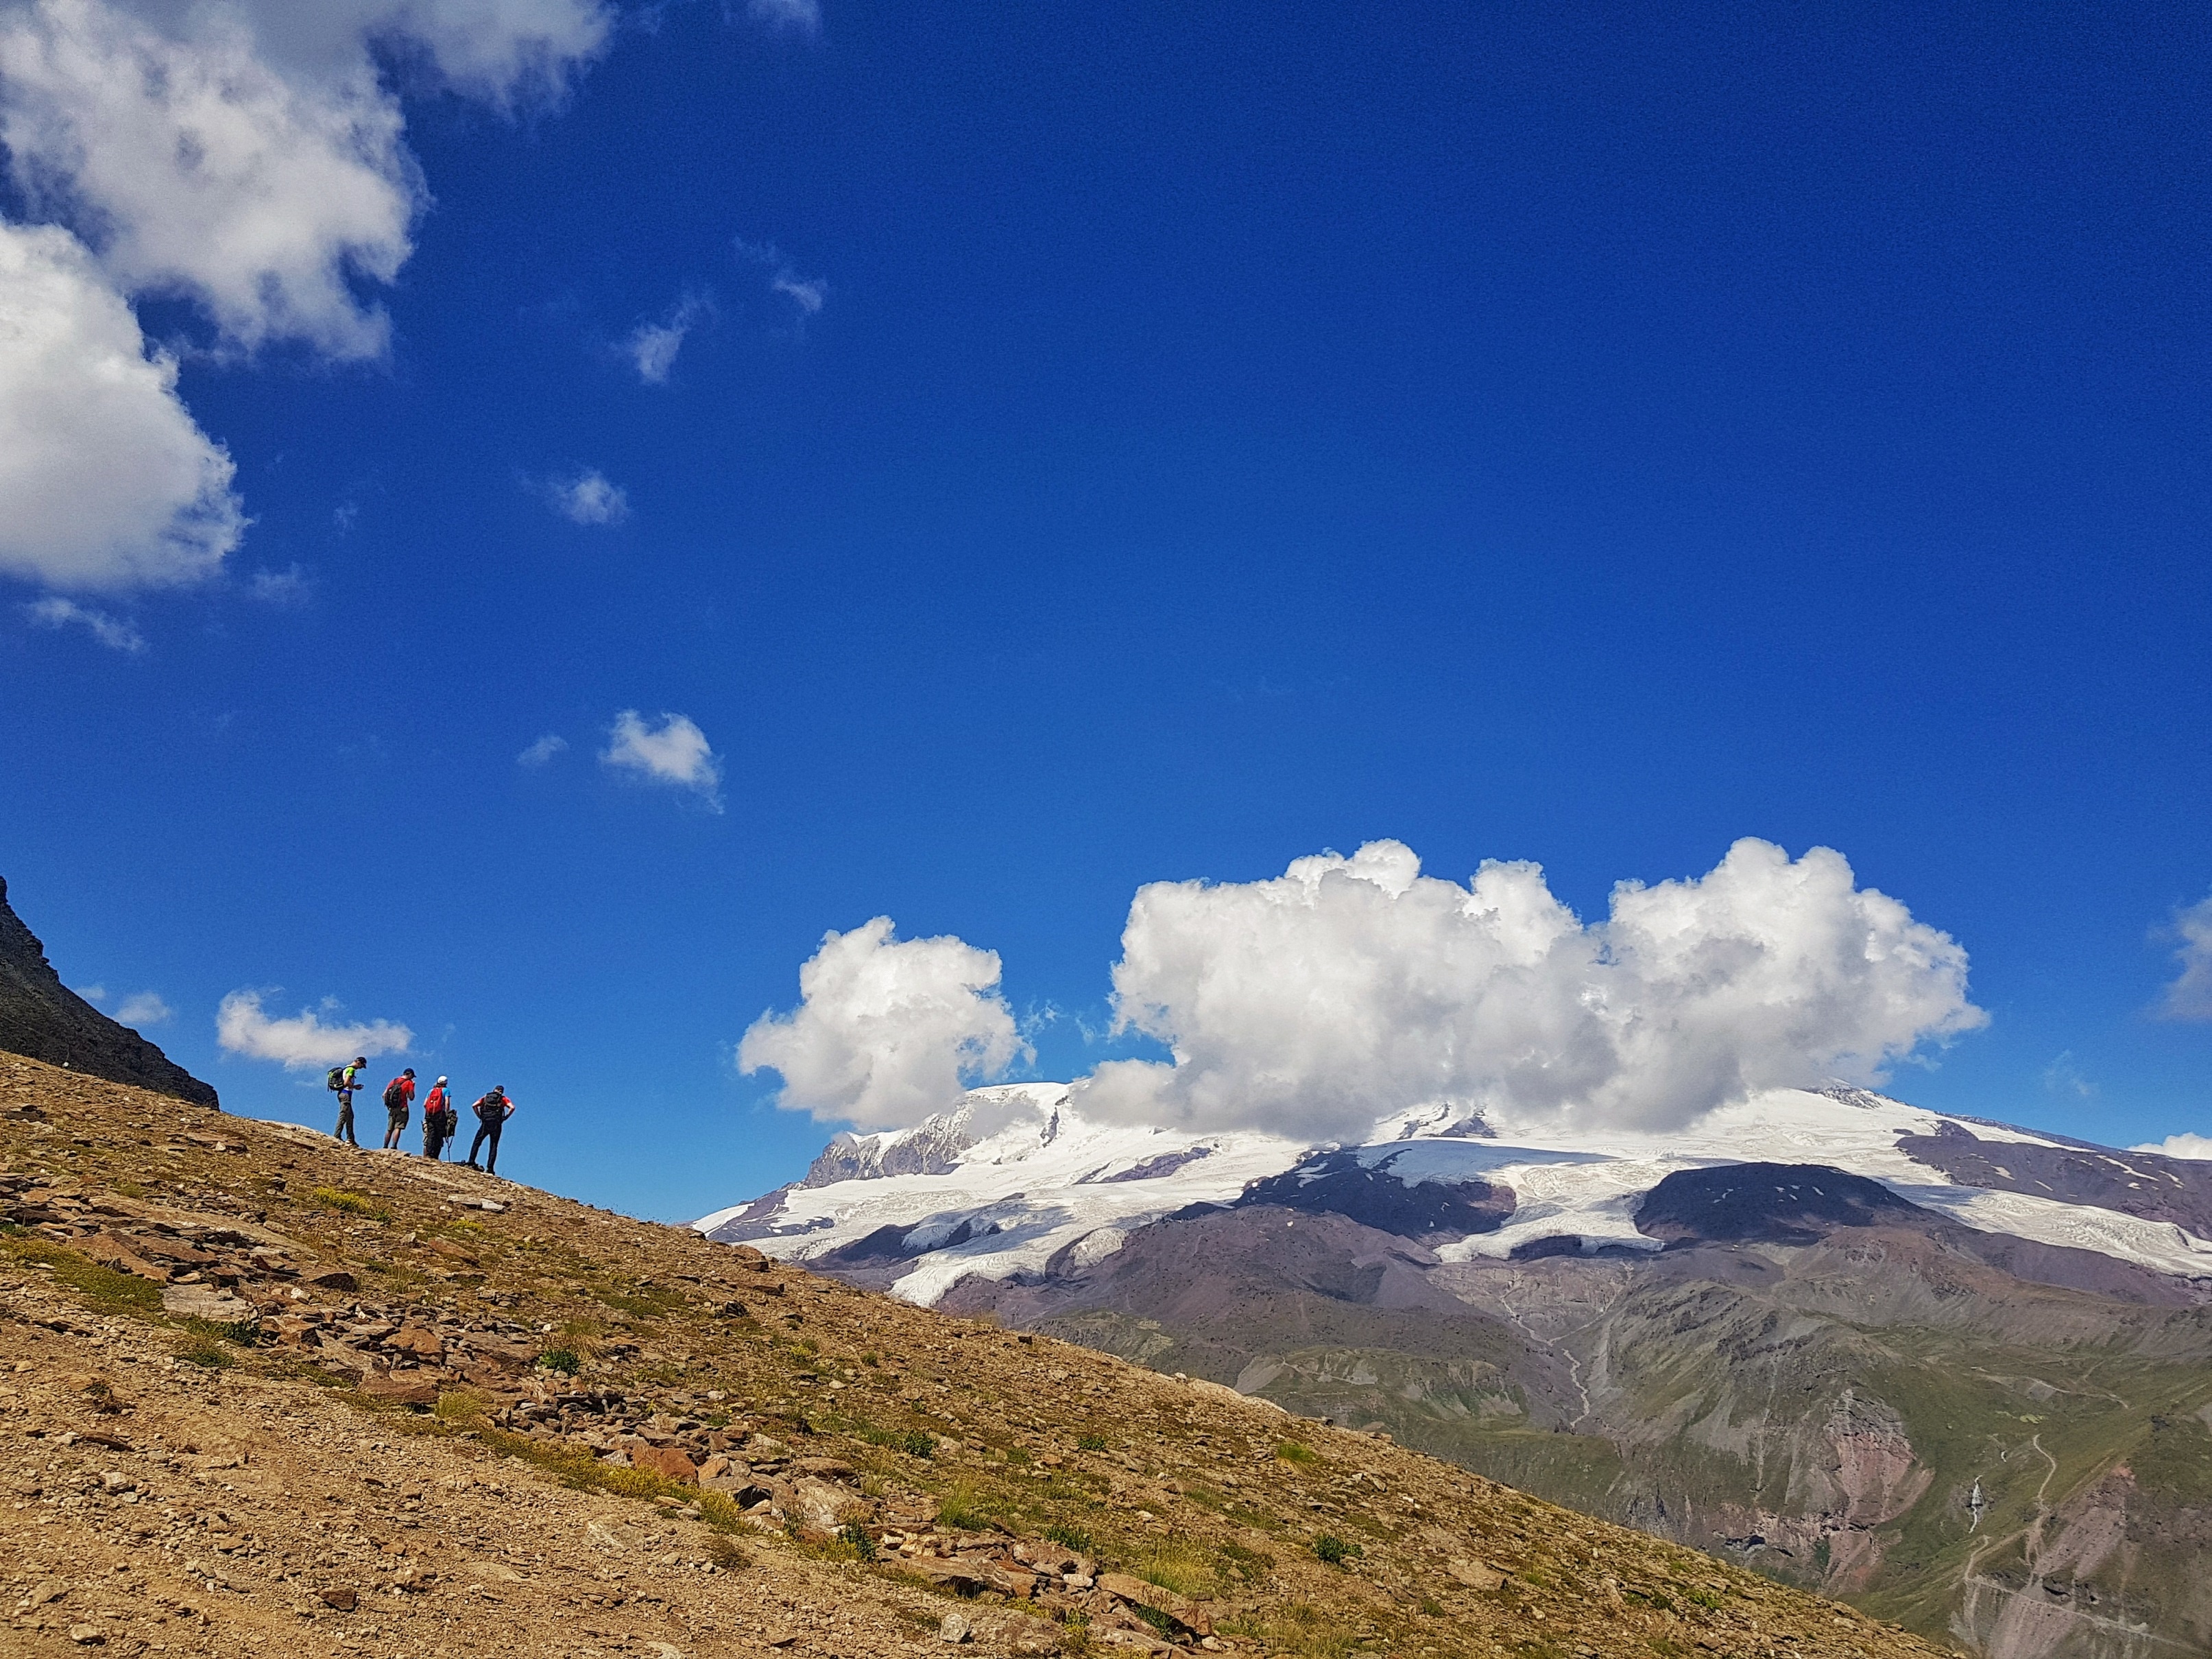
[42,1018]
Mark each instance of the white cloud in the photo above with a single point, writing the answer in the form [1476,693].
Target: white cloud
[54,612]
[244,155]
[93,992]
[2180,1146]
[589,498]
[652,347]
[541,750]
[2063,1076]
[146,1008]
[887,1030]
[2188,995]
[675,752]
[245,152]
[301,1042]
[809,295]
[1348,989]
[805,16]
[105,480]
[283,588]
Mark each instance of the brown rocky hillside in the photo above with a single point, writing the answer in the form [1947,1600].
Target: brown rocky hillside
[263,1395]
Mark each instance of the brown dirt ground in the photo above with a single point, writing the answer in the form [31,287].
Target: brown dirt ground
[172,1487]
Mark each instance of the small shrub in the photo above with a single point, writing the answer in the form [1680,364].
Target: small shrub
[918,1443]
[1159,1620]
[962,1510]
[1091,1443]
[563,1360]
[206,1352]
[1295,1451]
[1335,1550]
[1073,1538]
[336,1198]
[854,1537]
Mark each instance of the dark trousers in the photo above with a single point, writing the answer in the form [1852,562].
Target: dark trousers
[344,1131]
[434,1134]
[487,1129]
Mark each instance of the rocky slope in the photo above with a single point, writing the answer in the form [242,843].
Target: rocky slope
[1958,1372]
[43,1018]
[259,1392]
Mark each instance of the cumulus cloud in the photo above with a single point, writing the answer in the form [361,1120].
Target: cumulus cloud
[2188,995]
[887,1030]
[54,612]
[301,1042]
[245,155]
[146,1008]
[674,752]
[106,481]
[542,751]
[1347,988]
[652,347]
[589,498]
[2180,1146]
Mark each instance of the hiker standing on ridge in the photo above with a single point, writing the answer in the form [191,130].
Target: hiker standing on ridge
[398,1096]
[345,1079]
[492,1112]
[438,1120]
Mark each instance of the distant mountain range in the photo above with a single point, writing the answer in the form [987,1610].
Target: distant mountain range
[1959,1371]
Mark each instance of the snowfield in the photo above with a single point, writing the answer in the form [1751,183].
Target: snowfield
[1015,1176]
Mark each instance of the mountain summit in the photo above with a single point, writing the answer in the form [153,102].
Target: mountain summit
[44,1019]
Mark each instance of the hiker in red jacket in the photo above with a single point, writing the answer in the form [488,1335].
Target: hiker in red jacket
[398,1096]
[438,1120]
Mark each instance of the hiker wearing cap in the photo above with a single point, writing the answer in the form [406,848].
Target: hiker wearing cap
[492,1112]
[345,1079]
[438,1123]
[398,1096]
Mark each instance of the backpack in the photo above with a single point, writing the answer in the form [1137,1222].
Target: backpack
[395,1096]
[337,1079]
[488,1106]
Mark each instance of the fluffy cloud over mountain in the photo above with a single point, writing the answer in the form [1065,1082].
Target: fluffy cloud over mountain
[887,1030]
[1350,987]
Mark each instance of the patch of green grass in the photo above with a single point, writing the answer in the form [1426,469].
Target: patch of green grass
[963,1508]
[1072,1537]
[1333,1550]
[206,1352]
[1247,1565]
[103,1290]
[564,1360]
[854,1537]
[1296,1451]
[1091,1443]
[1176,1565]
[337,1197]
[1297,1628]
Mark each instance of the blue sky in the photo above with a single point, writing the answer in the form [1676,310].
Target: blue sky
[1113,445]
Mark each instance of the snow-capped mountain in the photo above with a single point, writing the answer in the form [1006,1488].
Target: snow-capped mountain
[1878,1349]
[1016,1182]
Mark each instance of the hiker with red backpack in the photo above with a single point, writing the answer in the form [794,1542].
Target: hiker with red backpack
[398,1096]
[492,1112]
[440,1121]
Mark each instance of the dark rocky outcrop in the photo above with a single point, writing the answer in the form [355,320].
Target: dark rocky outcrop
[2177,1190]
[1770,1203]
[1374,1195]
[43,1018]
